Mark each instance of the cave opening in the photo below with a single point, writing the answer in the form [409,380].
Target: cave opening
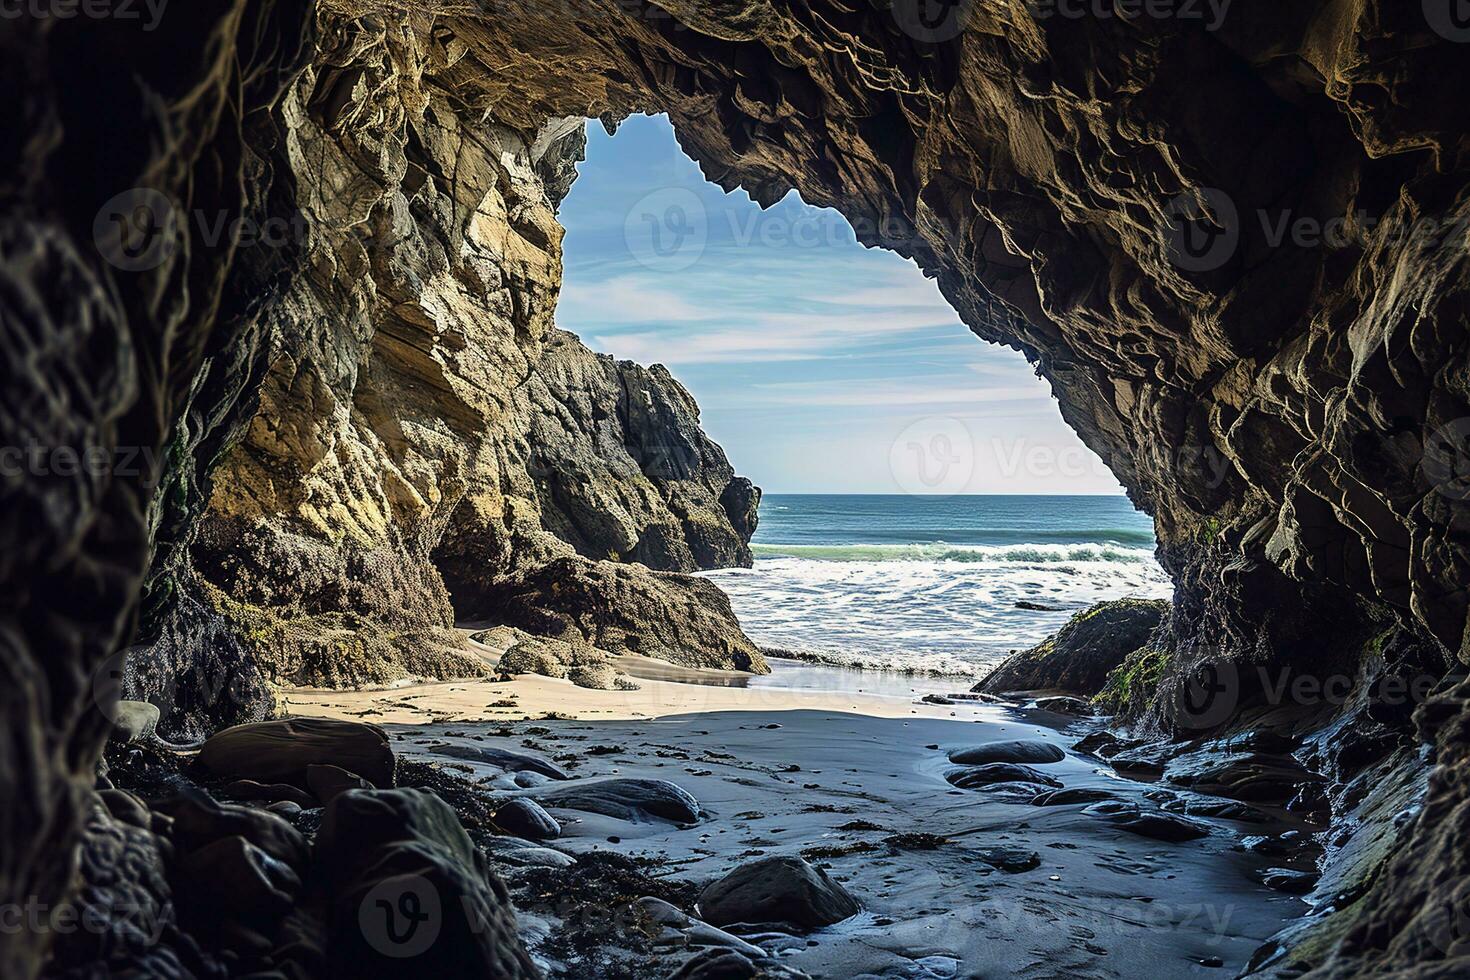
[920,489]
[379,412]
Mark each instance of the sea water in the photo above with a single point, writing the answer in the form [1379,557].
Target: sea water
[931,584]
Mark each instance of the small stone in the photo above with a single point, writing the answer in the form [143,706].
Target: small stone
[526,818]
[1012,860]
[133,721]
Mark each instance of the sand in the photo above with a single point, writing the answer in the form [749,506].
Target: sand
[783,771]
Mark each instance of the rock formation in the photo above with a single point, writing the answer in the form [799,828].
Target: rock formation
[420,419]
[1237,249]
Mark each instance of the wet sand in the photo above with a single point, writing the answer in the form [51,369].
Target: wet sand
[837,776]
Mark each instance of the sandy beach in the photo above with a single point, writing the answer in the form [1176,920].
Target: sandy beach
[952,882]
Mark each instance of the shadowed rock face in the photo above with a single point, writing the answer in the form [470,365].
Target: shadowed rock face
[1132,204]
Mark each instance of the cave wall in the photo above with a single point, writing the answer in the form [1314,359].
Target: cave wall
[420,415]
[1290,412]
[118,344]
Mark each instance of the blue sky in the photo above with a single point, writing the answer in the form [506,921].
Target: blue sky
[820,366]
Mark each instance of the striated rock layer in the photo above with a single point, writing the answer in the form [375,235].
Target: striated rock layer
[1236,248]
[420,414]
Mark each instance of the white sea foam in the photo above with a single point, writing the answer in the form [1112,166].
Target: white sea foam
[927,607]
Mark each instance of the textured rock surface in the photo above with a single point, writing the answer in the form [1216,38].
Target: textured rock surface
[1080,656]
[1290,411]
[783,890]
[419,413]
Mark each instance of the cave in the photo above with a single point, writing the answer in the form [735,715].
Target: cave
[289,270]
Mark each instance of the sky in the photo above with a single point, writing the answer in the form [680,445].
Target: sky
[819,365]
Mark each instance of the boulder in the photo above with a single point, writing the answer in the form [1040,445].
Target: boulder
[233,877]
[625,799]
[329,782]
[1078,659]
[973,777]
[1153,824]
[405,885]
[359,821]
[526,818]
[198,821]
[784,890]
[281,751]
[249,789]
[1065,797]
[1033,751]
[507,759]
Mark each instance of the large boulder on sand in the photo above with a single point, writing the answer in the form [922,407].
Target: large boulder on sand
[410,894]
[281,751]
[1080,656]
[783,890]
[624,799]
[1023,750]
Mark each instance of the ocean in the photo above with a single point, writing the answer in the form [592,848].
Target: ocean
[931,584]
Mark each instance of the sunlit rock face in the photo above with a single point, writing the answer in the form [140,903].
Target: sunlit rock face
[420,414]
[1236,248]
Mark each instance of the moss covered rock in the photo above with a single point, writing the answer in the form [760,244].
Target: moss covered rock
[1079,658]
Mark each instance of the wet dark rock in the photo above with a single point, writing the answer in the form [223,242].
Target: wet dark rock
[784,890]
[1066,706]
[329,782]
[198,821]
[1067,797]
[1148,823]
[281,751]
[1219,809]
[1254,778]
[400,850]
[1290,881]
[1012,860]
[1102,744]
[1078,659]
[233,878]
[728,964]
[1033,751]
[515,850]
[507,759]
[249,789]
[685,930]
[625,799]
[1000,772]
[525,818]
